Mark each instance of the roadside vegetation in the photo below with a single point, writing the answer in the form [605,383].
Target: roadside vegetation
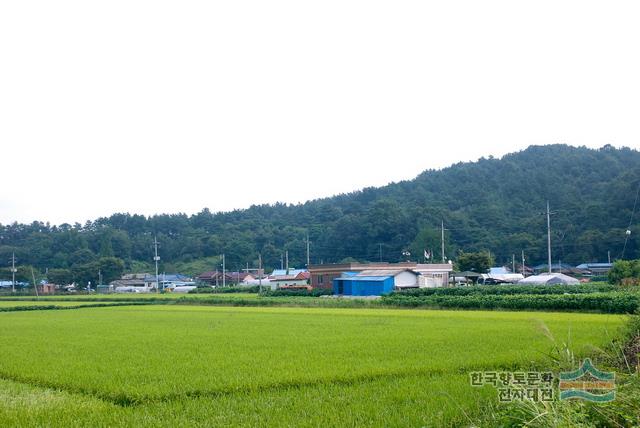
[619,355]
[625,272]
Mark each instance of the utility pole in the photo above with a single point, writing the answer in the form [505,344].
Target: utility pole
[281,261]
[13,272]
[286,255]
[308,247]
[156,258]
[99,277]
[442,240]
[609,256]
[522,262]
[513,263]
[260,272]
[549,236]
[224,273]
[35,286]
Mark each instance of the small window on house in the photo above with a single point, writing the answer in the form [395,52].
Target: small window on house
[320,279]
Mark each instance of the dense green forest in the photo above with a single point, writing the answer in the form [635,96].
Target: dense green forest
[492,204]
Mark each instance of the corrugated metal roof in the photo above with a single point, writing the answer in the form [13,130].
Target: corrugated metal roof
[283,272]
[365,278]
[594,265]
[349,274]
[384,272]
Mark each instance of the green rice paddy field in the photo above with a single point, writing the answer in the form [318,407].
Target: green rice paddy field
[174,365]
[17,303]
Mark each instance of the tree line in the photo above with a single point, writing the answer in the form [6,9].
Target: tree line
[492,205]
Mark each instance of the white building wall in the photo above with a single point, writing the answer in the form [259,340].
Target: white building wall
[282,283]
[406,279]
[427,281]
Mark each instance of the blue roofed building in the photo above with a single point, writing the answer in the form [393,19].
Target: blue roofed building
[374,282]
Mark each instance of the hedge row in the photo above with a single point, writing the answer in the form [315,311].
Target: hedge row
[299,293]
[612,302]
[509,290]
[55,307]
[225,290]
[294,301]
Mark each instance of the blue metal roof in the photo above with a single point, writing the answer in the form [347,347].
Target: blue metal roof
[348,274]
[553,266]
[367,278]
[283,272]
[166,277]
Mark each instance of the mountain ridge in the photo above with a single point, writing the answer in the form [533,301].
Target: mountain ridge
[490,204]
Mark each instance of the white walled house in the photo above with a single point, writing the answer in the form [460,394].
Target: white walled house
[402,278]
[433,275]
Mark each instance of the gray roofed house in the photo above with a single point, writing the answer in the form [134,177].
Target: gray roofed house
[596,268]
[550,279]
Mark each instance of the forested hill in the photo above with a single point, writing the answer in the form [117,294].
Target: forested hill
[492,204]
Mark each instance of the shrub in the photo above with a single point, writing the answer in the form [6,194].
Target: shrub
[623,269]
[509,290]
[612,302]
[224,290]
[300,293]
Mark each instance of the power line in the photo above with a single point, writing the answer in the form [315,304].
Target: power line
[628,231]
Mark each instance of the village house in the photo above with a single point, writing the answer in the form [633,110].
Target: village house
[289,277]
[375,282]
[431,275]
[214,278]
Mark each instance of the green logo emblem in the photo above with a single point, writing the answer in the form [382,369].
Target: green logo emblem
[588,383]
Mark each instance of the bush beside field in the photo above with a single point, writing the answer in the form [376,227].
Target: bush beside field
[510,289]
[612,302]
[225,290]
[299,293]
[584,297]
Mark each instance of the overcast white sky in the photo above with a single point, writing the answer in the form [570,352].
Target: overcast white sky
[158,106]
